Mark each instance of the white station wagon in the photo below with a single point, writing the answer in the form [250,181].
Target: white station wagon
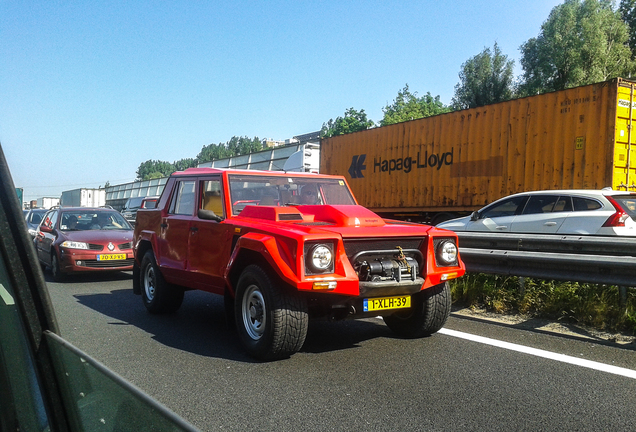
[596,212]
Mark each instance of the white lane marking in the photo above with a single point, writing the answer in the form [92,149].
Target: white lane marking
[545,354]
[5,296]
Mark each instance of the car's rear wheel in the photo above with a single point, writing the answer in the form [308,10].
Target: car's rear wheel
[58,274]
[271,319]
[429,311]
[158,295]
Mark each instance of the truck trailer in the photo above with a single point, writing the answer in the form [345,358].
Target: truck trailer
[83,198]
[47,202]
[439,167]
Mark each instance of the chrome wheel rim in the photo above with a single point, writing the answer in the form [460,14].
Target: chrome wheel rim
[253,311]
[149,282]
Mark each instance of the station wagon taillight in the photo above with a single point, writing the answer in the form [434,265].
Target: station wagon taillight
[617,219]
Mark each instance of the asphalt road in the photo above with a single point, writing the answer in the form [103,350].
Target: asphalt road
[353,375]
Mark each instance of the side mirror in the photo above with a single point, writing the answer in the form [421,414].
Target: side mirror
[474,216]
[46,229]
[208,215]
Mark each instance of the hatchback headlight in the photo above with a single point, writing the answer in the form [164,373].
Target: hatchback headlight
[320,259]
[74,245]
[446,253]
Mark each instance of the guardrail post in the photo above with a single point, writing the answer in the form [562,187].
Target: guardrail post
[522,286]
[622,290]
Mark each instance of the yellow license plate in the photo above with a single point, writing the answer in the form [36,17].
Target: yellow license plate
[384,303]
[111,257]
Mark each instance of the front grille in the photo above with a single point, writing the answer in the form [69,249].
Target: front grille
[379,259]
[125,246]
[106,264]
[355,246]
[96,247]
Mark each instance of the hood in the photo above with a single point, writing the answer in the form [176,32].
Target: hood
[99,236]
[346,220]
[338,215]
[458,224]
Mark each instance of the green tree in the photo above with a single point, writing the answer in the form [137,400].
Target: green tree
[154,169]
[627,9]
[353,121]
[484,79]
[155,175]
[234,147]
[212,152]
[407,106]
[581,42]
[183,164]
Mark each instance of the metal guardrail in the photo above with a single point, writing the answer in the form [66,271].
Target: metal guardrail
[590,259]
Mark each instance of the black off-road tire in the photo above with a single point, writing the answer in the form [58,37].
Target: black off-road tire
[158,296]
[56,271]
[271,319]
[428,313]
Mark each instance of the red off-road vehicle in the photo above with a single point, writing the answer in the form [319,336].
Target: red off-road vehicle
[284,247]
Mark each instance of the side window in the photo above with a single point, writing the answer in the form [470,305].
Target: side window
[50,219]
[211,198]
[564,204]
[585,204]
[183,200]
[509,207]
[540,204]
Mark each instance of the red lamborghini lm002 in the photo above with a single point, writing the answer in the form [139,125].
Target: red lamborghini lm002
[285,247]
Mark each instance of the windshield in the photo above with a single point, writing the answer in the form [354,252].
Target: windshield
[134,203]
[249,190]
[93,220]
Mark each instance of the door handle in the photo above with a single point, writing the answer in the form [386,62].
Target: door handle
[501,227]
[164,225]
[194,229]
[550,224]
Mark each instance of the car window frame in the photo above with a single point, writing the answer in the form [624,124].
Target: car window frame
[178,194]
[601,206]
[25,292]
[534,197]
[483,212]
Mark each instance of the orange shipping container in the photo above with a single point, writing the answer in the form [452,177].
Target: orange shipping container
[580,138]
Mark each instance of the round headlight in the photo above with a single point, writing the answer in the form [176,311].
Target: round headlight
[447,252]
[321,257]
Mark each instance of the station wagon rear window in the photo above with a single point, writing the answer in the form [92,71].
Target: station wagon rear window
[628,204]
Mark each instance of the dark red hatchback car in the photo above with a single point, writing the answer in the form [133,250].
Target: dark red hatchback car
[83,239]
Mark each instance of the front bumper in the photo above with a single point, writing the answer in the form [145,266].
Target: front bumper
[390,288]
[75,261]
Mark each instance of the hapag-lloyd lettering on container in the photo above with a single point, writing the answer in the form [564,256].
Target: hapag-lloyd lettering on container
[434,160]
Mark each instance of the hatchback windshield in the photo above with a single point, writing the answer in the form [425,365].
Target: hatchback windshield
[79,220]
[249,190]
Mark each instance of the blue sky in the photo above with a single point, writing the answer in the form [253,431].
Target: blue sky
[89,90]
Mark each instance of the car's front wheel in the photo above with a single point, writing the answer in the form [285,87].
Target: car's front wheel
[58,274]
[271,320]
[429,311]
[158,295]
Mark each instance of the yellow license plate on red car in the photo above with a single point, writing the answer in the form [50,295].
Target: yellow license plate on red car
[385,303]
[111,257]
